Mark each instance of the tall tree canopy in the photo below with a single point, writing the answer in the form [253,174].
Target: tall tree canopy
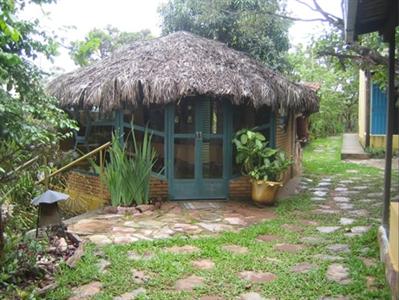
[368,52]
[252,26]
[338,90]
[29,119]
[100,43]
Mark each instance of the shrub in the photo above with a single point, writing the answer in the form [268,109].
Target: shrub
[375,152]
[23,213]
[18,267]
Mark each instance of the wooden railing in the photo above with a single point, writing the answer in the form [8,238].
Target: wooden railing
[17,169]
[47,177]
[100,150]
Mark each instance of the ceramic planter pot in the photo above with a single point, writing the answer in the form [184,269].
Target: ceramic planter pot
[265,192]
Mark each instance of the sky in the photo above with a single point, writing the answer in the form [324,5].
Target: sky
[73,19]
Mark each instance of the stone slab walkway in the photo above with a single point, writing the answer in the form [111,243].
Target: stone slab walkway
[205,217]
[351,148]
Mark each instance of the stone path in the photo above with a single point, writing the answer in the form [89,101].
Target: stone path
[189,283]
[340,208]
[257,277]
[351,147]
[352,202]
[103,227]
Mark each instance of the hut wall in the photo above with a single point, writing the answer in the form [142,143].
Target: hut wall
[286,141]
[88,193]
[158,188]
[283,137]
[240,188]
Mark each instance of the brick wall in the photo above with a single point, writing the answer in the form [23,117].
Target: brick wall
[87,184]
[240,188]
[158,188]
[87,191]
[285,139]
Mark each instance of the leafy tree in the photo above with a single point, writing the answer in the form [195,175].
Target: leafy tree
[338,91]
[30,121]
[369,52]
[252,26]
[100,43]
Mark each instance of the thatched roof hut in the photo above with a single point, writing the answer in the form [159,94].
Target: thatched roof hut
[172,67]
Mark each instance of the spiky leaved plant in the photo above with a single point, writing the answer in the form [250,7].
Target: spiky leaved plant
[142,162]
[128,179]
[115,172]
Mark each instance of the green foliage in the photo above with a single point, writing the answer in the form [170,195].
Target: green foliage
[30,124]
[101,43]
[259,161]
[376,152]
[338,92]
[328,160]
[23,213]
[247,25]
[369,52]
[116,174]
[29,119]
[17,264]
[141,164]
[128,178]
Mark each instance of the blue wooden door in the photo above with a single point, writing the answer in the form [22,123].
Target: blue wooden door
[199,151]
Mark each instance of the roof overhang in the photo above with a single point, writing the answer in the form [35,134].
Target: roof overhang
[365,16]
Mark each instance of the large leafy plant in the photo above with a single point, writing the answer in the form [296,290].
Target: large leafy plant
[257,160]
[128,176]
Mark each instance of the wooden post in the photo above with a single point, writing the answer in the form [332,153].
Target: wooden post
[390,117]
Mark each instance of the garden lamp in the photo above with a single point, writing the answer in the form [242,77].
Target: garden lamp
[48,213]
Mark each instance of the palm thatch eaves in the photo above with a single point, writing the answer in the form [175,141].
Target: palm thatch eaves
[181,64]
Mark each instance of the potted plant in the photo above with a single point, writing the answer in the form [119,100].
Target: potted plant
[264,165]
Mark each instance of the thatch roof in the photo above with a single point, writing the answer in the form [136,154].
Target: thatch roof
[181,64]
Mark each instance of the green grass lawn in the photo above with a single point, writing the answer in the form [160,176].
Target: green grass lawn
[165,268]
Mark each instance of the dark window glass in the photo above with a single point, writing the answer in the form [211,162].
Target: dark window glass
[152,115]
[100,135]
[262,115]
[184,164]
[158,144]
[185,116]
[213,117]
[243,117]
[212,158]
